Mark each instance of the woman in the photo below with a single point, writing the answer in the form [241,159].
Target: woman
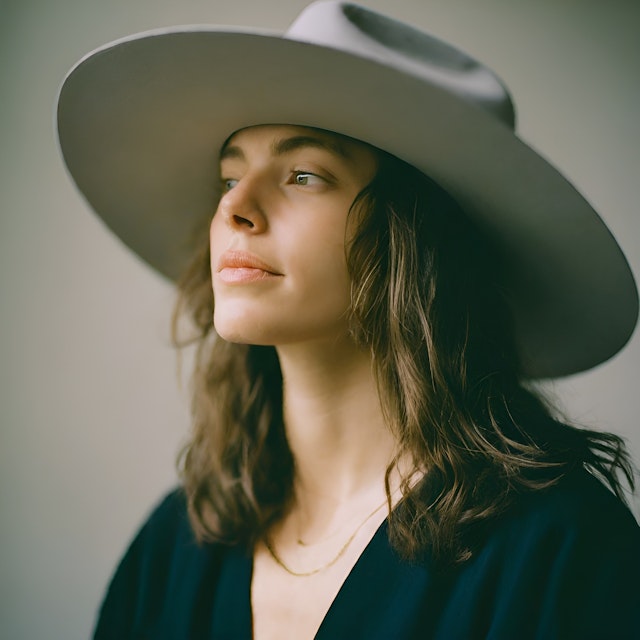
[366,460]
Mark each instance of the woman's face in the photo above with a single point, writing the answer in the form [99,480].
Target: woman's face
[278,234]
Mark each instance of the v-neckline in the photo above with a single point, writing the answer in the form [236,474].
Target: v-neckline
[365,569]
[233,615]
[374,577]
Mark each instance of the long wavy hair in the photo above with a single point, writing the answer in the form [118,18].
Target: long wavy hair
[428,306]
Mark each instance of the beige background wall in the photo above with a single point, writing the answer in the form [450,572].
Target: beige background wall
[91,413]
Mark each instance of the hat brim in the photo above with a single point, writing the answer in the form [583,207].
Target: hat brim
[141,123]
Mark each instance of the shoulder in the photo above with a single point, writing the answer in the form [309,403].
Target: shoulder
[577,519]
[566,560]
[168,520]
[164,562]
[164,535]
[578,505]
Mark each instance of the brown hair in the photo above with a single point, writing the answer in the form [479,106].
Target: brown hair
[427,303]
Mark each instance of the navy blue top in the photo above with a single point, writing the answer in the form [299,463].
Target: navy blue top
[563,563]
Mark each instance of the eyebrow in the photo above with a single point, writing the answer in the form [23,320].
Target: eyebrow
[287,145]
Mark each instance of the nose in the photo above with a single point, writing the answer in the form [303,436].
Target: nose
[243,206]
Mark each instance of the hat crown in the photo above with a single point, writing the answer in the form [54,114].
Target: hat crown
[365,33]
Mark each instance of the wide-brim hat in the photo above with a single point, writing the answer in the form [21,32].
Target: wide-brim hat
[141,122]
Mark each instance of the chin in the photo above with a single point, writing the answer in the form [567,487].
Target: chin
[264,327]
[242,330]
[234,333]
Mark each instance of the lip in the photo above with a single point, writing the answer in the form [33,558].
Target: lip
[237,267]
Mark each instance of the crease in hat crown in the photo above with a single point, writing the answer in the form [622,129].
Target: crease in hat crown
[365,33]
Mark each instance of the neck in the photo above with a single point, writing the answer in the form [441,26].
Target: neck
[335,426]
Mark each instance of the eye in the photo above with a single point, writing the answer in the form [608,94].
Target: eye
[228,184]
[305,178]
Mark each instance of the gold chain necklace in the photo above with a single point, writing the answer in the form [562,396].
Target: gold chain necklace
[341,552]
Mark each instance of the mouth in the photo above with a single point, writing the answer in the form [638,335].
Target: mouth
[236,267]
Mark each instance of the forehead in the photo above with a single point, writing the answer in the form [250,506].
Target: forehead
[283,138]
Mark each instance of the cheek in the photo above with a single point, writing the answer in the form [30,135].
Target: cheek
[216,229]
[321,266]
